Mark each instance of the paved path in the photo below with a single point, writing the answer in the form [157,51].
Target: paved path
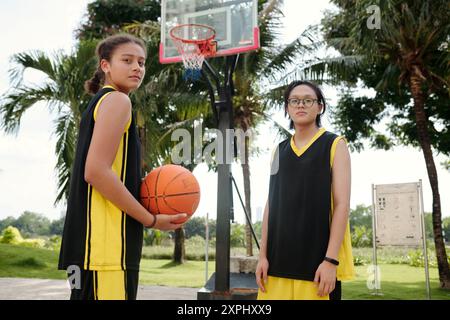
[42,289]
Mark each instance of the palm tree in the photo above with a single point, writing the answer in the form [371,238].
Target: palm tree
[62,91]
[407,63]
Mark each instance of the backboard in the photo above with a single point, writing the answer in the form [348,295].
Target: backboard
[234,22]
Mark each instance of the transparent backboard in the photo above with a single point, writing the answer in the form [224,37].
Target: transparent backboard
[234,21]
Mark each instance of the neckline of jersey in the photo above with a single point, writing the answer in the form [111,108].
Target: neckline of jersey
[109,86]
[303,149]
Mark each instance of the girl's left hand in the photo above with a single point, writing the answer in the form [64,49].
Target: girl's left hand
[325,278]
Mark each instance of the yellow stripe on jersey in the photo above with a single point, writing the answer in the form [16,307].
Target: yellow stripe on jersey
[88,229]
[124,218]
[345,270]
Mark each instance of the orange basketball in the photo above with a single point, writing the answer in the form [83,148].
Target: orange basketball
[170,189]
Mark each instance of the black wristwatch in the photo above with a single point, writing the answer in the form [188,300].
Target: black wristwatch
[335,262]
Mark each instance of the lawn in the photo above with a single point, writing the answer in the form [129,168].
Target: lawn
[23,262]
[398,281]
[166,273]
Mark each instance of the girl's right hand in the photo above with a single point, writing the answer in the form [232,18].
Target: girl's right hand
[166,222]
[261,273]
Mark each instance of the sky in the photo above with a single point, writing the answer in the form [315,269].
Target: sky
[27,160]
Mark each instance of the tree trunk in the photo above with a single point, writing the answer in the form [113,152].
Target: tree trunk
[178,252]
[247,188]
[424,140]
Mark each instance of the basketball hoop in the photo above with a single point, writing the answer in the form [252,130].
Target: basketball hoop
[194,42]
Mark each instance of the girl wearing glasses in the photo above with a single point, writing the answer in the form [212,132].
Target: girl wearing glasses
[306,245]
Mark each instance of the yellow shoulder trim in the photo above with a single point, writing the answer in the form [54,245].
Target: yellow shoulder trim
[302,150]
[333,149]
[100,102]
[346,268]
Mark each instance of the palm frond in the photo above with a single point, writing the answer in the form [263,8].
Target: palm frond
[328,70]
[15,104]
[308,43]
[66,134]
[36,60]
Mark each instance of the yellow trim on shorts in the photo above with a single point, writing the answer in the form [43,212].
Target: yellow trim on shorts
[278,288]
[110,285]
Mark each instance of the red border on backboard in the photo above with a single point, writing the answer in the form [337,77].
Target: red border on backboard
[228,52]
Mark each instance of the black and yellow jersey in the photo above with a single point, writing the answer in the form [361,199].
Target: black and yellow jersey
[97,234]
[301,209]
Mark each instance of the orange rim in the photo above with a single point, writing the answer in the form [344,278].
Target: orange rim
[196,41]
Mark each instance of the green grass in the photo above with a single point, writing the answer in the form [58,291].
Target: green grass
[194,252]
[24,262]
[398,281]
[166,273]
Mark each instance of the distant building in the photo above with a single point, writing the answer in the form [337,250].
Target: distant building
[259,214]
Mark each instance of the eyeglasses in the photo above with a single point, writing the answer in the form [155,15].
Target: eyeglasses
[295,102]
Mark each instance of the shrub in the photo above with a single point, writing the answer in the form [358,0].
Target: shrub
[195,241]
[357,261]
[361,237]
[415,258]
[11,235]
[54,243]
[155,237]
[33,243]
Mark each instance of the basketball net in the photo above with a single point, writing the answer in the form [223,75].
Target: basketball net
[194,42]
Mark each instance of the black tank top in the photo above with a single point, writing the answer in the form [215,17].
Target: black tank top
[98,235]
[299,208]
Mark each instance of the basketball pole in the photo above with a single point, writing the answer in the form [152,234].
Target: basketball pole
[223,111]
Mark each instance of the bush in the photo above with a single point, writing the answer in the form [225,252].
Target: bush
[54,243]
[155,237]
[237,235]
[357,261]
[33,243]
[11,235]
[361,237]
[415,258]
[195,241]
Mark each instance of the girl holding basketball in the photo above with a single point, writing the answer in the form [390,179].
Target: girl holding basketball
[103,231]
[306,246]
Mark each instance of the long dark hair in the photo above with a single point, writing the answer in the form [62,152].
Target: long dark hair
[319,94]
[105,50]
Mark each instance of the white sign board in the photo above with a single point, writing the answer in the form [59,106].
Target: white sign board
[397,215]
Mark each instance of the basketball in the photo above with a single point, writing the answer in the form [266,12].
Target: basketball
[170,189]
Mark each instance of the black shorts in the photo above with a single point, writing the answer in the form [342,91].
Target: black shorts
[336,294]
[105,285]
